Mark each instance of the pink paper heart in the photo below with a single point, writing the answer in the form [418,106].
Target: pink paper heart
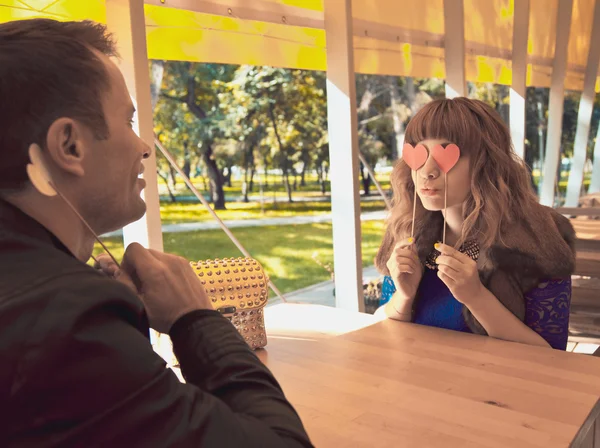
[446,157]
[414,157]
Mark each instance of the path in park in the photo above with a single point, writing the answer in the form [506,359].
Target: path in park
[282,221]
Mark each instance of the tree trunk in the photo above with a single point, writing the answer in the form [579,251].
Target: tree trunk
[252,173]
[305,165]
[541,136]
[226,173]
[266,168]
[321,174]
[303,175]
[396,102]
[320,177]
[245,184]
[250,166]
[286,182]
[187,165]
[166,179]
[229,173]
[173,177]
[283,154]
[214,174]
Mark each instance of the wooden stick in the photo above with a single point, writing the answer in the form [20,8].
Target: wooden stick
[74,210]
[412,231]
[204,202]
[445,205]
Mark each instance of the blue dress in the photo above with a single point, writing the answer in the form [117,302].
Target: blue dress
[547,307]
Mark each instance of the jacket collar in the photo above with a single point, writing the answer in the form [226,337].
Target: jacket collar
[15,224]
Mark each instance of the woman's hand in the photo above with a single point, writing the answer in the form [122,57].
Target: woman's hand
[406,270]
[459,272]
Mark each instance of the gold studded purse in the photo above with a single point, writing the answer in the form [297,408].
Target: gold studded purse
[237,288]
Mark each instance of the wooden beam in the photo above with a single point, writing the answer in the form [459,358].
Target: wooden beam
[268,11]
[584,118]
[343,155]
[126,20]
[557,99]
[454,39]
[518,89]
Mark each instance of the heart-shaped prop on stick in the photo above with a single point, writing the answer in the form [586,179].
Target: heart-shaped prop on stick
[40,178]
[415,157]
[446,159]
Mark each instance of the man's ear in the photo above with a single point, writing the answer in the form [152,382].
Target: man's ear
[65,144]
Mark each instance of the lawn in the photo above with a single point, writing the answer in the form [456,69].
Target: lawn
[181,212]
[286,252]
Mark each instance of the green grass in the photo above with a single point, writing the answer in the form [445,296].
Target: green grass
[179,212]
[285,251]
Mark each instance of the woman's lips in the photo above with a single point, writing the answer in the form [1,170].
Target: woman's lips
[429,192]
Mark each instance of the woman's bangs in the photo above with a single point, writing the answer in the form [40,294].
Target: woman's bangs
[442,120]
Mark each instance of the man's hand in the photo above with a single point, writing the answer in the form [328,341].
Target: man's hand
[166,284]
[107,265]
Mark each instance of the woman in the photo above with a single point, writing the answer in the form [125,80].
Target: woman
[511,277]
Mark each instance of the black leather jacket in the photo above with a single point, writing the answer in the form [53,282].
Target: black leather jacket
[77,367]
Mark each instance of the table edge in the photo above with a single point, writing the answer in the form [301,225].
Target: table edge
[583,431]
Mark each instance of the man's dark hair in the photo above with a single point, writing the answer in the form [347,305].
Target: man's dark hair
[48,70]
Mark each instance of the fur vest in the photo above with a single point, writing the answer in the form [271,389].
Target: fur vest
[540,249]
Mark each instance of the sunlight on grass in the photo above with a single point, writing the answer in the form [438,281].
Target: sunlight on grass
[285,251]
[173,213]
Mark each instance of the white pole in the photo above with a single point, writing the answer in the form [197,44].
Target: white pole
[343,154]
[454,48]
[584,118]
[126,20]
[519,76]
[557,99]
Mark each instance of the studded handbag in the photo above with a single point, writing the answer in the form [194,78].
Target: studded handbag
[237,288]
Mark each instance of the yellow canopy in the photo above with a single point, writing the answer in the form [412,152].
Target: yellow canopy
[392,37]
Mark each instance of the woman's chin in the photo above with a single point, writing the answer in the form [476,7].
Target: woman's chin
[432,204]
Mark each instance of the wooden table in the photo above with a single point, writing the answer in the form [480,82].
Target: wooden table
[393,384]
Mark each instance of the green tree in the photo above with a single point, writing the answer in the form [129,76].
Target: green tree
[279,115]
[194,89]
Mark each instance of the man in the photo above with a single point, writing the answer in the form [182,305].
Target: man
[77,365]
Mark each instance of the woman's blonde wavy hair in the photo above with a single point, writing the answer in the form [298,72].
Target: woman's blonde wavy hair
[501,189]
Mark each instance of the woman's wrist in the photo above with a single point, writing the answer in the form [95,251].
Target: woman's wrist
[401,300]
[400,307]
